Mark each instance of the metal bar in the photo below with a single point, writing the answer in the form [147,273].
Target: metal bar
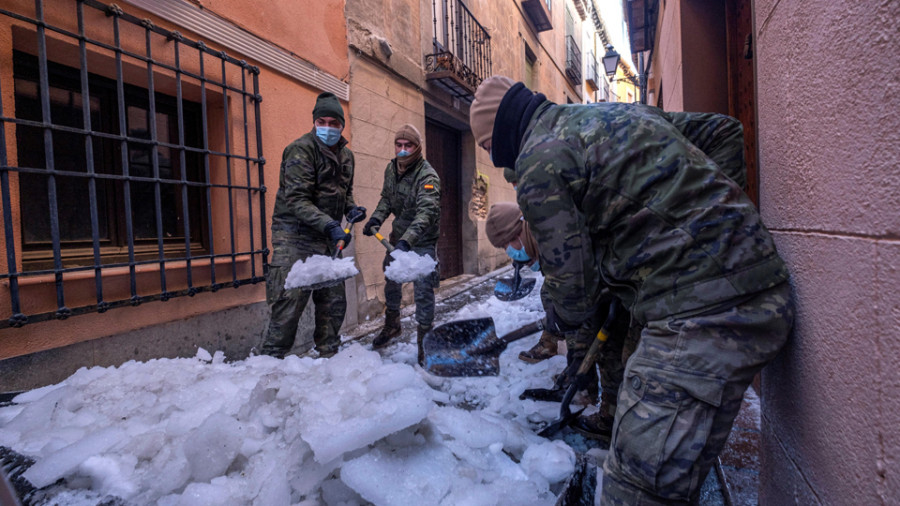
[17,319]
[185,207]
[113,177]
[123,147]
[206,178]
[228,174]
[247,162]
[154,160]
[257,98]
[117,137]
[62,311]
[89,157]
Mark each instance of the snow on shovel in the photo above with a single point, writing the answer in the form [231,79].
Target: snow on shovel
[321,271]
[407,265]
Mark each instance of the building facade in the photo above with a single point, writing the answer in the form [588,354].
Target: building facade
[138,144]
[823,171]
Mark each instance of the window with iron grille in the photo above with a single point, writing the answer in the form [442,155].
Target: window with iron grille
[135,170]
[72,192]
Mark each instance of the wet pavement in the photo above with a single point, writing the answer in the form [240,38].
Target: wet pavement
[733,481]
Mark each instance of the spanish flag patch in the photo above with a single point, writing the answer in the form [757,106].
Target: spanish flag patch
[429,187]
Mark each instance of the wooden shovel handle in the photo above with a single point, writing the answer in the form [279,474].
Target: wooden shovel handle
[525,331]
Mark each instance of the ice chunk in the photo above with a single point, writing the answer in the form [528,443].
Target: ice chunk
[553,460]
[319,268]
[401,476]
[47,470]
[212,447]
[359,401]
[409,266]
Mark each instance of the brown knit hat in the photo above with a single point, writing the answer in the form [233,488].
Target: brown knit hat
[484,108]
[410,133]
[504,223]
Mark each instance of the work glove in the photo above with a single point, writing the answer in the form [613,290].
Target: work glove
[356,214]
[334,231]
[402,245]
[372,223]
[557,325]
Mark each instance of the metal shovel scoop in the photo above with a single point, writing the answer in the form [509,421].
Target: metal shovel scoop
[469,347]
[514,288]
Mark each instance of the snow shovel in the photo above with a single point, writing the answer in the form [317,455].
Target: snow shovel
[566,415]
[469,347]
[339,247]
[390,248]
[514,288]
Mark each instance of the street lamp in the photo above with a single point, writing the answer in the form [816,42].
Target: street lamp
[610,61]
[611,64]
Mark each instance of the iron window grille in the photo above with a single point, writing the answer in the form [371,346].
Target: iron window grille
[145,158]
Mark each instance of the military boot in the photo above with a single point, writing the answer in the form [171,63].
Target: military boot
[421,330]
[599,425]
[391,329]
[544,349]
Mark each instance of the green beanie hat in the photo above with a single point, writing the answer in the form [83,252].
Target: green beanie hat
[327,104]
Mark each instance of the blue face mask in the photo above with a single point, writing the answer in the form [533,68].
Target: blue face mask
[330,136]
[517,254]
[403,153]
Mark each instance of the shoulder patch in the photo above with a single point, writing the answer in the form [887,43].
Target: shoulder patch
[428,187]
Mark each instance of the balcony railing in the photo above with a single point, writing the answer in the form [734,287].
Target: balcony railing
[591,71]
[573,61]
[462,50]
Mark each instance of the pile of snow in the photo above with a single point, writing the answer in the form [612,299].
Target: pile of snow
[352,429]
[409,266]
[318,269]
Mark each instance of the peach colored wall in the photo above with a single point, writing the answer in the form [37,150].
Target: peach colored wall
[829,186]
[286,112]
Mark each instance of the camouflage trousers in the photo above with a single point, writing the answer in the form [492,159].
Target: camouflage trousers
[423,289]
[683,387]
[287,305]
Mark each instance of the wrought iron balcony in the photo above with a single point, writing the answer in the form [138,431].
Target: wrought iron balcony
[462,50]
[591,71]
[573,61]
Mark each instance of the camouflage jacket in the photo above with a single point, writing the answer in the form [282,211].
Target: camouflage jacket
[415,201]
[720,137]
[315,186]
[615,196]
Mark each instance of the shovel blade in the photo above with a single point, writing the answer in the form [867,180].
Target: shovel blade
[463,348]
[506,289]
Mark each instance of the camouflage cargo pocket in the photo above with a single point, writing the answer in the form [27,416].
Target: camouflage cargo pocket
[663,421]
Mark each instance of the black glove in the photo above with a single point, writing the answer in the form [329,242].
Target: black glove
[356,214]
[336,233]
[372,223]
[402,245]
[557,325]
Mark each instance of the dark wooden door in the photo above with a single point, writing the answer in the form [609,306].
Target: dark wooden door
[442,146]
[742,93]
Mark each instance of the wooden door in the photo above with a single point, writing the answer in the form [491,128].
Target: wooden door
[442,146]
[741,83]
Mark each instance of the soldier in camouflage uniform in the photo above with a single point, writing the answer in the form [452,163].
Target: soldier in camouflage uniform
[315,192]
[617,197]
[412,193]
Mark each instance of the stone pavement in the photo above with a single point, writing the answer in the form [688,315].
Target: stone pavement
[734,480]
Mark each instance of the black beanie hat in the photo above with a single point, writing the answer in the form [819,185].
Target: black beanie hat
[327,104]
